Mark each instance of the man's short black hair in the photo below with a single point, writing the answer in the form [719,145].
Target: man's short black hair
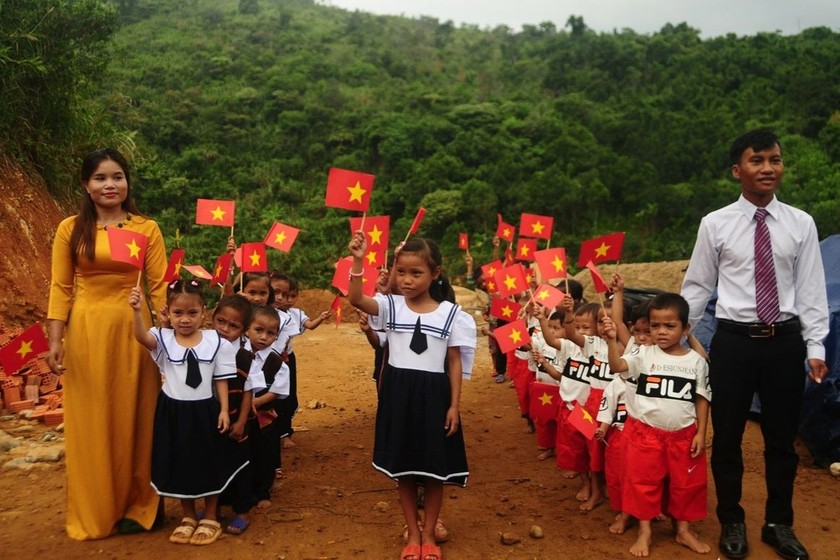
[758,139]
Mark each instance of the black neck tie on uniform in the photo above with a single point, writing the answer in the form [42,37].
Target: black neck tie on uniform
[418,340]
[193,371]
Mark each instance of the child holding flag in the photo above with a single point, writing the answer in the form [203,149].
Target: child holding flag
[420,386]
[666,436]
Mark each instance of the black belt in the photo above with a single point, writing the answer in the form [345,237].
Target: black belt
[760,330]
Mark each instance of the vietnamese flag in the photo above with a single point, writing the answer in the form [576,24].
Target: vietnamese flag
[377,230]
[511,280]
[198,271]
[127,246]
[534,225]
[281,237]
[173,269]
[464,242]
[525,249]
[583,421]
[601,249]
[509,260]
[23,348]
[504,309]
[415,225]
[349,190]
[545,401]
[600,284]
[552,263]
[341,277]
[222,269]
[504,230]
[548,296]
[335,307]
[511,336]
[489,269]
[254,258]
[210,212]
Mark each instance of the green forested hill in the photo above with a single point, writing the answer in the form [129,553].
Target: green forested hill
[255,100]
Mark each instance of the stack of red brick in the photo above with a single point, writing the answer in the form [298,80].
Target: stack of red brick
[33,387]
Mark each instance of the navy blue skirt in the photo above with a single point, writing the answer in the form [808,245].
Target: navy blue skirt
[410,436]
[190,458]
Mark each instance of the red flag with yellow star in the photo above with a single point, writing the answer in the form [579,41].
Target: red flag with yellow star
[127,246]
[464,242]
[198,271]
[509,260]
[598,280]
[349,190]
[377,230]
[511,336]
[335,307]
[222,269]
[581,419]
[504,230]
[341,277]
[504,309]
[254,258]
[23,348]
[548,296]
[281,237]
[552,263]
[209,212]
[534,225]
[525,249]
[545,399]
[489,272]
[511,280]
[601,249]
[173,269]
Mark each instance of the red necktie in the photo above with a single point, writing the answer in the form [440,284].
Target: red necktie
[766,291]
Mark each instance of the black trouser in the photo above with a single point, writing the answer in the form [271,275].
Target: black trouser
[774,368]
[265,458]
[287,407]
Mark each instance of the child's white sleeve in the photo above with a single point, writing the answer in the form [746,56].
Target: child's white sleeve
[635,363]
[609,402]
[224,366]
[282,383]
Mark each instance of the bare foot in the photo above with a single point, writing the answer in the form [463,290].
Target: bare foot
[569,474]
[591,503]
[689,539]
[545,454]
[583,494]
[264,504]
[660,517]
[641,548]
[287,443]
[621,523]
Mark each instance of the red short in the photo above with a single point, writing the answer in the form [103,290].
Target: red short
[596,448]
[571,445]
[656,459]
[522,379]
[614,466]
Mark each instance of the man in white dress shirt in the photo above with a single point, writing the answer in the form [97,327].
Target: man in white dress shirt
[767,329]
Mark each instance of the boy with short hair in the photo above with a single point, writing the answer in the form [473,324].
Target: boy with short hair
[666,437]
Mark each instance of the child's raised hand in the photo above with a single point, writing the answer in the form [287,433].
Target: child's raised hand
[358,244]
[496,241]
[223,423]
[324,315]
[135,298]
[163,317]
[617,284]
[383,280]
[609,327]
[469,260]
[568,304]
[231,245]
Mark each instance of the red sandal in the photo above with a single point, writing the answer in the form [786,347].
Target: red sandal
[430,552]
[411,552]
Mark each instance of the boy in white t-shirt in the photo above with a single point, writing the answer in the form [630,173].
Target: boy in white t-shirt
[666,436]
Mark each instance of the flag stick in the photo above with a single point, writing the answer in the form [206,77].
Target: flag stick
[407,235]
[362,225]
[566,279]
[241,280]
[601,299]
[139,277]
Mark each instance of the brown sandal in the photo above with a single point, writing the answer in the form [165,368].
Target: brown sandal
[184,532]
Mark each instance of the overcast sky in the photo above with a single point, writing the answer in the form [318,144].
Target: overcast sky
[711,17]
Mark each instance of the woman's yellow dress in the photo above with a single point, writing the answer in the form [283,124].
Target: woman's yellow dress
[110,383]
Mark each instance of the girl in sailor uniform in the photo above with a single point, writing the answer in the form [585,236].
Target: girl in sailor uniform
[188,458]
[418,426]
